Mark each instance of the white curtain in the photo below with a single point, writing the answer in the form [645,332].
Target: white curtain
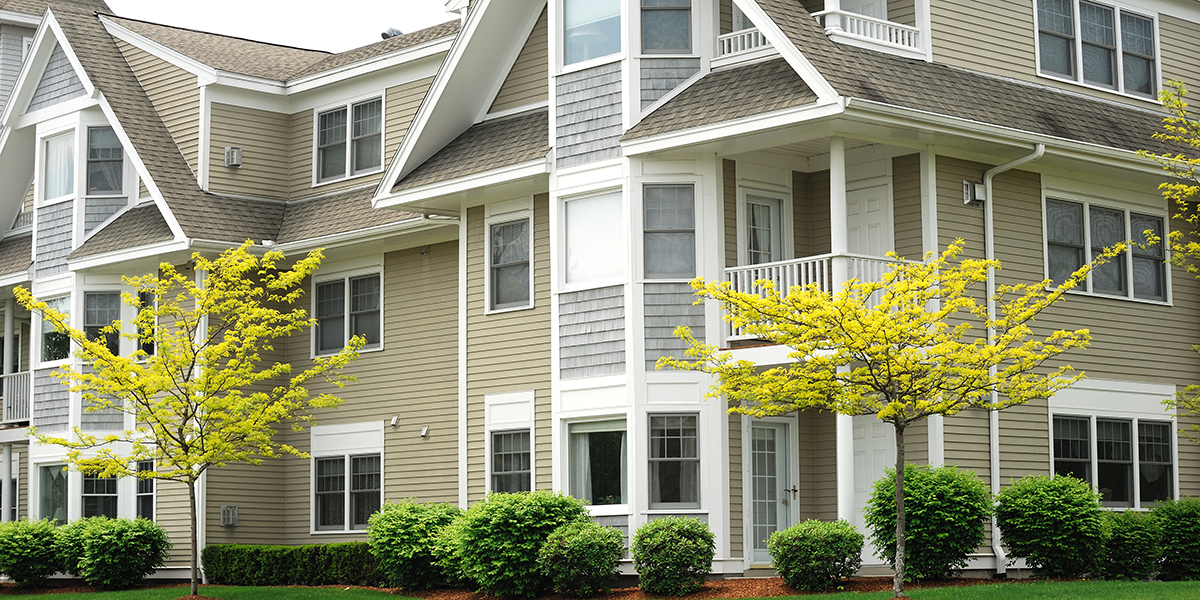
[60,166]
[581,466]
[595,243]
[624,467]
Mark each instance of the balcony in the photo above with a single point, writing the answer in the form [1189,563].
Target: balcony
[872,33]
[16,393]
[744,44]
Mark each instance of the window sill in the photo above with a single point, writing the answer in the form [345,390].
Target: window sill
[1166,303]
[676,511]
[1099,88]
[609,510]
[580,286]
[53,201]
[53,364]
[584,65]
[338,532]
[500,311]
[361,352]
[317,184]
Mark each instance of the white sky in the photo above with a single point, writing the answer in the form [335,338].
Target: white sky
[332,25]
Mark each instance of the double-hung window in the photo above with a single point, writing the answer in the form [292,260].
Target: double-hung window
[105,163]
[1129,461]
[667,26]
[145,490]
[1098,45]
[55,344]
[349,140]
[1076,232]
[670,231]
[100,310]
[595,244]
[597,461]
[591,29]
[58,169]
[511,461]
[347,307]
[99,496]
[508,265]
[52,493]
[674,461]
[347,486]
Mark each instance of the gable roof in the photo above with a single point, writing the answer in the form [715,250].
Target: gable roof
[138,226]
[334,214]
[393,44]
[37,8]
[16,254]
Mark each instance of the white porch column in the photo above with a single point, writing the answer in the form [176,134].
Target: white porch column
[9,324]
[839,243]
[6,474]
[833,22]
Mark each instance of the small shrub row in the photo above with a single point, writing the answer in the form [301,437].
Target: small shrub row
[350,563]
[111,553]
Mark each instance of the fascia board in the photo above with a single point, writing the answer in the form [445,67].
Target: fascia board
[137,40]
[366,235]
[52,23]
[18,277]
[54,111]
[127,254]
[805,69]
[729,129]
[250,82]
[39,54]
[16,18]
[384,61]
[458,185]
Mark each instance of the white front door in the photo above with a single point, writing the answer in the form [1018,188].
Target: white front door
[866,8]
[762,230]
[874,450]
[773,488]
[869,220]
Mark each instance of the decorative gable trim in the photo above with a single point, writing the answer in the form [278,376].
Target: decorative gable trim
[48,42]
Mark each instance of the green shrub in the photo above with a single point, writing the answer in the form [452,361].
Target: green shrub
[120,553]
[581,558]
[945,509]
[402,537]
[68,544]
[1053,523]
[349,563]
[27,552]
[814,555]
[499,539]
[1180,524]
[446,556]
[1132,548]
[673,555]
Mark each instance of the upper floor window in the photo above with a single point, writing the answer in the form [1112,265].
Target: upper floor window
[670,230]
[1097,45]
[58,174]
[508,265]
[1076,232]
[350,140]
[591,29]
[594,242]
[56,345]
[101,309]
[667,26]
[105,162]
[359,298]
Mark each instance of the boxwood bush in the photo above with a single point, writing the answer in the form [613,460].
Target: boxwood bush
[499,539]
[814,556]
[402,537]
[945,509]
[1132,547]
[1053,523]
[349,563]
[112,553]
[673,555]
[1180,524]
[581,558]
[27,551]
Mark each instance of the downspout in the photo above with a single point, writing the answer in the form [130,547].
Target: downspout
[989,250]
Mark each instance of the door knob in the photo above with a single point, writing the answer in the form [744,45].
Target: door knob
[793,490]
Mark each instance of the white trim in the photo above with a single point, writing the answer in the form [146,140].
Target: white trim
[502,219]
[593,416]
[516,110]
[784,236]
[462,363]
[345,273]
[8,16]
[485,179]
[673,140]
[345,441]
[204,158]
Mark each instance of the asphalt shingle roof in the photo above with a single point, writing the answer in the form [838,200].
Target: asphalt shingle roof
[380,48]
[16,254]
[483,147]
[36,8]
[337,213]
[138,226]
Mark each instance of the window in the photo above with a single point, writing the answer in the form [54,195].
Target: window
[58,177]
[763,239]
[56,345]
[1112,458]
[511,462]
[52,492]
[509,265]
[145,490]
[670,230]
[146,301]
[100,310]
[358,153]
[105,162]
[595,246]
[358,297]
[597,466]
[667,26]
[1076,232]
[674,462]
[359,494]
[99,496]
[1114,48]
[591,29]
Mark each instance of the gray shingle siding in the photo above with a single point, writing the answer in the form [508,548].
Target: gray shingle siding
[10,58]
[100,420]
[96,210]
[661,75]
[51,402]
[669,305]
[53,239]
[591,330]
[588,115]
[59,82]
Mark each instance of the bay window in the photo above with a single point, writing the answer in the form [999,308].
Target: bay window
[102,309]
[55,344]
[667,26]
[670,231]
[58,170]
[595,244]
[52,493]
[1098,45]
[105,162]
[1077,232]
[597,462]
[99,496]
[674,461]
[1128,461]
[591,29]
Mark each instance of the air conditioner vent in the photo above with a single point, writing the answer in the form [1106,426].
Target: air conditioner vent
[233,156]
[229,515]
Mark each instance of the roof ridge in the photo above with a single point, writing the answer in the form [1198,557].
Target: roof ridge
[222,35]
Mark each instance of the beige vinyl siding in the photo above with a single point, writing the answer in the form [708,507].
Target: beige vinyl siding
[729,193]
[916,443]
[527,81]
[902,11]
[143,192]
[801,215]
[415,377]
[175,96]
[818,465]
[1189,457]
[256,491]
[906,206]
[23,497]
[508,352]
[810,213]
[1024,441]
[301,163]
[25,341]
[401,105]
[1180,53]
[736,492]
[27,205]
[172,512]
[725,17]
[263,137]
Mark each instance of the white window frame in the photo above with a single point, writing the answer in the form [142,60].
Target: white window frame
[1127,256]
[631,473]
[36,491]
[502,218]
[1135,451]
[348,106]
[40,198]
[507,412]
[786,235]
[693,24]
[41,334]
[26,46]
[675,506]
[1077,43]
[559,33]
[121,348]
[137,495]
[345,278]
[345,441]
[697,228]
[116,493]
[601,282]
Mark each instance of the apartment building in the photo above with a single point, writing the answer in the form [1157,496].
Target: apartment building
[512,205]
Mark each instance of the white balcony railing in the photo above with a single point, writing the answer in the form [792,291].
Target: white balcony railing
[738,42]
[877,32]
[787,274]
[16,392]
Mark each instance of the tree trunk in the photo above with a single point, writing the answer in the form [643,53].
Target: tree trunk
[898,583]
[195,549]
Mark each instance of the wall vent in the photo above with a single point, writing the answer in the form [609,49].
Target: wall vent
[229,515]
[233,156]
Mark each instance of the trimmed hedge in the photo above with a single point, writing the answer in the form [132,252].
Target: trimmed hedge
[581,558]
[673,555]
[1180,523]
[1133,547]
[1055,524]
[113,553]
[402,535]
[27,551]
[349,563]
[815,556]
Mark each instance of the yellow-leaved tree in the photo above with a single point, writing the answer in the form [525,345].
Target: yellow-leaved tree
[198,388]
[911,345]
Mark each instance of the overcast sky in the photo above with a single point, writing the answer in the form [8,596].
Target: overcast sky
[335,26]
